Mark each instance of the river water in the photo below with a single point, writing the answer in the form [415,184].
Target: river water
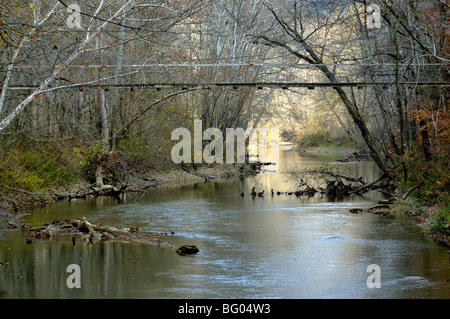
[272,247]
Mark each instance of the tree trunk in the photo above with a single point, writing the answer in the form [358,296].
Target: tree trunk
[8,120]
[104,118]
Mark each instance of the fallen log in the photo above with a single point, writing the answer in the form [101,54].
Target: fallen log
[12,224]
[370,185]
[391,196]
[379,206]
[380,209]
[385,202]
[131,234]
[207,177]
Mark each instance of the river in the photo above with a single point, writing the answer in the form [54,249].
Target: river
[271,247]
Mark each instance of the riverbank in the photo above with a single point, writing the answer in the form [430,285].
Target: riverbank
[428,217]
[19,201]
[348,153]
[38,174]
[326,150]
[429,203]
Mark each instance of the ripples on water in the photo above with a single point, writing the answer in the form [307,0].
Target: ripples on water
[271,247]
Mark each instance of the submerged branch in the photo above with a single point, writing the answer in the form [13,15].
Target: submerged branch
[335,183]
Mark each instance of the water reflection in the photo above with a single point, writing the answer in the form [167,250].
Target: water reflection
[271,247]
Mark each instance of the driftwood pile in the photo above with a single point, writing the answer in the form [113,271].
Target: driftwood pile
[81,228]
[357,156]
[333,183]
[332,189]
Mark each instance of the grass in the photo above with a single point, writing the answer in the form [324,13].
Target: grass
[37,167]
[324,139]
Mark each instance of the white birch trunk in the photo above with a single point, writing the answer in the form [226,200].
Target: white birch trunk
[7,120]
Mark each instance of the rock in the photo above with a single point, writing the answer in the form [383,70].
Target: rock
[355,210]
[187,250]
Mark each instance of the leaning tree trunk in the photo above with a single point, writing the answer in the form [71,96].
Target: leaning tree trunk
[316,61]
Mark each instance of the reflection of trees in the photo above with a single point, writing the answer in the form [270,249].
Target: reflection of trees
[107,269]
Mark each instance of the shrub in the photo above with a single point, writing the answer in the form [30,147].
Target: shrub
[440,221]
[433,178]
[411,207]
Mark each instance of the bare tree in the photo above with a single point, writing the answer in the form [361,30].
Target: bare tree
[75,57]
[327,33]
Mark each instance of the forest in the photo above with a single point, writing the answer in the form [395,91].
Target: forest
[91,90]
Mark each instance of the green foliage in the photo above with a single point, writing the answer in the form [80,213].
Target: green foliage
[148,145]
[36,167]
[433,178]
[431,199]
[412,207]
[440,221]
[436,183]
[323,138]
[146,150]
